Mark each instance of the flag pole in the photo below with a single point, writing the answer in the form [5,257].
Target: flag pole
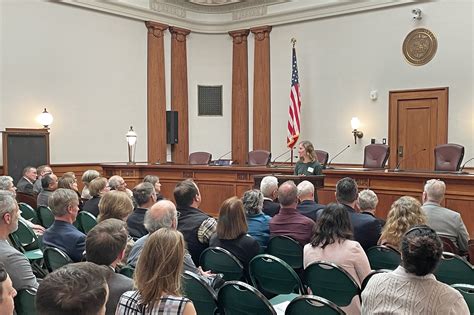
[293,42]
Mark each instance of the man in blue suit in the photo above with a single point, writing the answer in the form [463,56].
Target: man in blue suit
[307,206]
[366,228]
[62,234]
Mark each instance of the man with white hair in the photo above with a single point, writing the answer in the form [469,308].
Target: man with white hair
[307,206]
[368,202]
[269,189]
[444,221]
[118,183]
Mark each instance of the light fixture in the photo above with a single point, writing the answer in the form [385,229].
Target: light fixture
[131,141]
[45,118]
[355,123]
[416,14]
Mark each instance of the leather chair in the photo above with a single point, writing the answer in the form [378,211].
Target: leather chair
[259,157]
[376,155]
[448,157]
[200,158]
[322,157]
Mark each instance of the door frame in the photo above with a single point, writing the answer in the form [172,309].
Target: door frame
[441,93]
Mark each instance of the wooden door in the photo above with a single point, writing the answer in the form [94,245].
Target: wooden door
[418,122]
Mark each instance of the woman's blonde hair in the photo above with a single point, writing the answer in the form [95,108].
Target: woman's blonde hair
[97,185]
[232,222]
[115,204]
[405,213]
[160,266]
[309,148]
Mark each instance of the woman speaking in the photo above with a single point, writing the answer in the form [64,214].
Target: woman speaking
[308,163]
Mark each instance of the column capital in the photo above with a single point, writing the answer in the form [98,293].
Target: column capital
[156,28]
[239,36]
[178,33]
[261,32]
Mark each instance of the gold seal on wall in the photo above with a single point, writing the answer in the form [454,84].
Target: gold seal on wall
[419,46]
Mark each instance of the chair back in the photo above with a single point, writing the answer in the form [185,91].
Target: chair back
[322,157]
[470,250]
[55,258]
[467,291]
[383,257]
[25,235]
[287,249]
[200,293]
[448,157]
[27,198]
[127,271]
[28,213]
[46,216]
[200,158]
[273,275]
[376,155]
[311,304]
[259,157]
[448,245]
[25,302]
[219,260]
[239,298]
[453,269]
[85,221]
[328,280]
[367,278]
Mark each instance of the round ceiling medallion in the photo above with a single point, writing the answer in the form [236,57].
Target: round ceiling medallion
[419,46]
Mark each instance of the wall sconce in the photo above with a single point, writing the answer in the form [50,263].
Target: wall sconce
[355,123]
[45,118]
[416,14]
[132,143]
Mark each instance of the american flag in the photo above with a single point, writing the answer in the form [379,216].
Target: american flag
[295,106]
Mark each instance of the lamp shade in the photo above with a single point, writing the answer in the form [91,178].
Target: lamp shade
[355,123]
[45,118]
[131,136]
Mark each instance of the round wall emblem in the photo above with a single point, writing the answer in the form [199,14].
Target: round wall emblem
[419,46]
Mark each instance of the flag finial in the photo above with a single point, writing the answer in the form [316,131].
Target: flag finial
[293,41]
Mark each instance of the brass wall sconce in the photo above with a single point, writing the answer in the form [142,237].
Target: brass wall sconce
[355,123]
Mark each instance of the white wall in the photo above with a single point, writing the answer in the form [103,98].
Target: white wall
[89,69]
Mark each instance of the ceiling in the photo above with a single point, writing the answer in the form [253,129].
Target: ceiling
[221,16]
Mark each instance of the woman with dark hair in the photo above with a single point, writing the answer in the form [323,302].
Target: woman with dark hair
[258,222]
[231,232]
[332,242]
[412,288]
[155,181]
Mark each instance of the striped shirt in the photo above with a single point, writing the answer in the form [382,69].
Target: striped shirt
[129,304]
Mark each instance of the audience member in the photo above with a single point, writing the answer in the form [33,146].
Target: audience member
[79,289]
[412,288]
[41,171]
[158,278]
[257,221]
[105,245]
[63,234]
[7,292]
[26,182]
[155,181]
[269,189]
[445,222]
[332,241]
[97,188]
[231,232]
[196,226]
[289,221]
[145,196]
[118,183]
[88,177]
[307,206]
[49,182]
[366,228]
[368,202]
[16,264]
[404,213]
[69,182]
[115,204]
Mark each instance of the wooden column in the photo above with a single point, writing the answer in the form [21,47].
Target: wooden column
[240,97]
[156,93]
[179,93]
[262,123]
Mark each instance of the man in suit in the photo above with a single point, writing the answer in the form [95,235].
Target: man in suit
[16,264]
[444,221]
[269,189]
[366,228]
[307,206]
[42,170]
[49,182]
[105,245]
[145,196]
[62,234]
[26,182]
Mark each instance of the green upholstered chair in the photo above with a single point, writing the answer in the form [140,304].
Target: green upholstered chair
[383,257]
[287,249]
[240,298]
[310,304]
[28,213]
[453,269]
[219,260]
[85,221]
[55,258]
[467,292]
[46,216]
[25,302]
[200,293]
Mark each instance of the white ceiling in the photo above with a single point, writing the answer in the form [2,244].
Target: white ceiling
[220,16]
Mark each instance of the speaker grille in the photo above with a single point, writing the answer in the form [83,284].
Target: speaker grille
[210,100]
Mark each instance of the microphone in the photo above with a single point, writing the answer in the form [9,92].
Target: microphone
[397,168]
[220,157]
[345,148]
[462,167]
[289,150]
